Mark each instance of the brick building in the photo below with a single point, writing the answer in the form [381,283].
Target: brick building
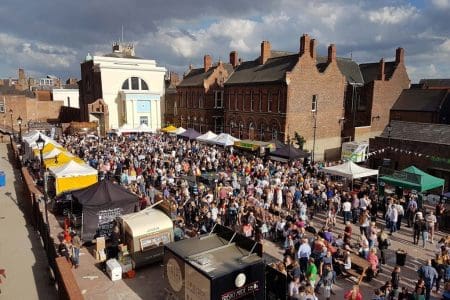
[200,103]
[424,145]
[171,81]
[281,93]
[426,105]
[367,110]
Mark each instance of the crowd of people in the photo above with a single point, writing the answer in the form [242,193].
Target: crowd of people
[280,201]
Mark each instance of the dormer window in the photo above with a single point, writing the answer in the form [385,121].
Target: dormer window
[136,84]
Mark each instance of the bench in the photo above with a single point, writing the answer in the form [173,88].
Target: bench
[358,263]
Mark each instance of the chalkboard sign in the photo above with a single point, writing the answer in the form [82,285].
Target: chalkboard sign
[106,221]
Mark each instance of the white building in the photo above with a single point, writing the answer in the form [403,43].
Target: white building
[69,96]
[132,89]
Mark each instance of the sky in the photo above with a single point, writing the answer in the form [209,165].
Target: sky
[52,37]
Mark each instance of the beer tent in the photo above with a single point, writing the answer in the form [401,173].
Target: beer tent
[101,204]
[73,176]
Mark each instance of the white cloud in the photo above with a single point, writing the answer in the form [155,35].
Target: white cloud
[393,15]
[441,4]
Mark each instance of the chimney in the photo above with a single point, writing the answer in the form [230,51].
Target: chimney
[381,75]
[399,55]
[234,60]
[331,53]
[265,52]
[304,44]
[207,62]
[312,48]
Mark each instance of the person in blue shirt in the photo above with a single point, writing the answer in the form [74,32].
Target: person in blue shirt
[429,276]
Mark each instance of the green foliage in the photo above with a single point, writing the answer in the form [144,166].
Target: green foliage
[299,140]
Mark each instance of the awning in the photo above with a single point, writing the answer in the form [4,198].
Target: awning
[253,145]
[350,170]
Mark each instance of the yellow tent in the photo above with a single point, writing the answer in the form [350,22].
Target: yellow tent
[49,151]
[47,148]
[73,176]
[61,159]
[169,129]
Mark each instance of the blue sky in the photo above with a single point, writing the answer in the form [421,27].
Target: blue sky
[52,37]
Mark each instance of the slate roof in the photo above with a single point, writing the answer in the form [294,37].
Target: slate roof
[420,132]
[435,83]
[421,100]
[370,71]
[280,62]
[10,90]
[195,77]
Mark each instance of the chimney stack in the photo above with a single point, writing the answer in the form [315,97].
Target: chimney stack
[399,55]
[331,53]
[234,59]
[381,75]
[312,48]
[265,52]
[207,62]
[304,44]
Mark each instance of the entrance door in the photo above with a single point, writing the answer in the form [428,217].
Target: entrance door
[143,120]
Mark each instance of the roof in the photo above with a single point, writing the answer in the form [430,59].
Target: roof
[370,71]
[435,83]
[280,62]
[420,132]
[121,55]
[213,255]
[429,100]
[195,77]
[11,90]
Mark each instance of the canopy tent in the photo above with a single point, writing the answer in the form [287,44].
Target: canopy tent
[126,128]
[180,130]
[73,176]
[143,128]
[30,144]
[350,170]
[32,135]
[169,129]
[51,154]
[419,180]
[225,140]
[253,145]
[61,159]
[102,203]
[190,133]
[207,137]
[288,152]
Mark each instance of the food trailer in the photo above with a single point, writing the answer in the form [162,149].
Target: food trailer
[219,265]
[145,233]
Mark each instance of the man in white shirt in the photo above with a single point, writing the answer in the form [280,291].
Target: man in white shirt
[303,254]
[347,209]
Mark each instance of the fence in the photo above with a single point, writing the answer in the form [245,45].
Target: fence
[65,281]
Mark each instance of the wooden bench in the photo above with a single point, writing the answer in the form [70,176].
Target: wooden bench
[361,264]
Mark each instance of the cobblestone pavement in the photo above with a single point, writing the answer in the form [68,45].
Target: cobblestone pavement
[21,251]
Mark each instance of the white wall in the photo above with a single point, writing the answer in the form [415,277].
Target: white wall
[62,94]
[114,71]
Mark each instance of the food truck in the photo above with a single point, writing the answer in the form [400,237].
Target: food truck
[145,233]
[221,265]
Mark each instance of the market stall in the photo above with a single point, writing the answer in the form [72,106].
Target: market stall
[101,204]
[207,137]
[169,129]
[145,233]
[219,265]
[350,170]
[61,159]
[287,153]
[190,134]
[225,140]
[73,176]
[257,147]
[179,130]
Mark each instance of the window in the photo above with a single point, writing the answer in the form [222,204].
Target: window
[218,99]
[229,100]
[279,101]
[143,120]
[175,108]
[269,102]
[274,134]
[144,85]
[261,131]
[126,85]
[260,101]
[200,100]
[362,102]
[251,101]
[2,106]
[235,101]
[218,124]
[314,103]
[134,83]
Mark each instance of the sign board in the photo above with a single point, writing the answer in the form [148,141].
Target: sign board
[106,221]
[356,152]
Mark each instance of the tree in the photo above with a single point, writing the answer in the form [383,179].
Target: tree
[299,140]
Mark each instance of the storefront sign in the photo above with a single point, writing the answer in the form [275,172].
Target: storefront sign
[251,288]
[248,146]
[106,219]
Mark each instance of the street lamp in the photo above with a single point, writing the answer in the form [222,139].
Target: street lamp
[389,131]
[19,121]
[40,143]
[12,124]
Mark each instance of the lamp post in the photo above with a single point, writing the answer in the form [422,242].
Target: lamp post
[40,142]
[19,121]
[389,130]
[314,136]
[12,124]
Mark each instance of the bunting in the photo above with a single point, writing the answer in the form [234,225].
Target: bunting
[399,150]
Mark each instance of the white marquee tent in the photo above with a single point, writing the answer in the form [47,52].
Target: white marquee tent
[224,139]
[179,130]
[207,137]
[350,170]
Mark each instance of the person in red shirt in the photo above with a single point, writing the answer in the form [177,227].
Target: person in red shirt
[353,294]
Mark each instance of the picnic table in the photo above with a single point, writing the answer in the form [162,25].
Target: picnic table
[359,267]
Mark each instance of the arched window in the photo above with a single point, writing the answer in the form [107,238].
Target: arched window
[135,84]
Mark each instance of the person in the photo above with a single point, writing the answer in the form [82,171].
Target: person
[404,294]
[294,286]
[440,209]
[418,294]
[372,258]
[309,293]
[353,294]
[401,213]
[392,218]
[347,211]
[76,245]
[115,241]
[411,210]
[395,279]
[303,254]
[431,223]
[327,279]
[311,272]
[429,276]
